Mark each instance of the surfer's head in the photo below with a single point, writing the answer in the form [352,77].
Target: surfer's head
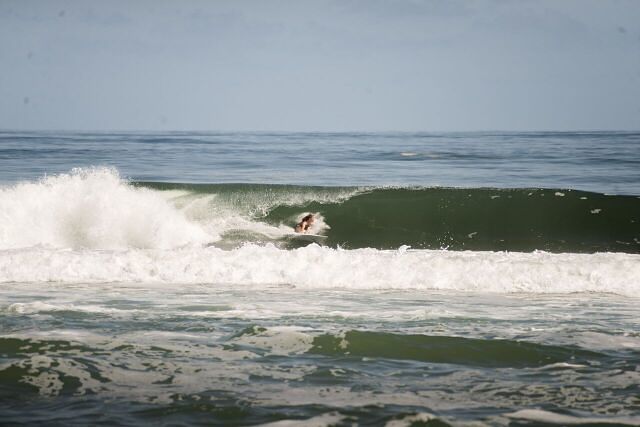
[304,223]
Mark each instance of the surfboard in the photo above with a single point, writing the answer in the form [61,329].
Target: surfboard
[308,237]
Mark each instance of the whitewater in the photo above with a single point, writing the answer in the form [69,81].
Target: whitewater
[156,278]
[93,226]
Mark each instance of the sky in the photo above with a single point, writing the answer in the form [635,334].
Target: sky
[322,65]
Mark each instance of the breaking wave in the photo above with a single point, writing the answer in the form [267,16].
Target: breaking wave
[91,208]
[91,225]
[97,209]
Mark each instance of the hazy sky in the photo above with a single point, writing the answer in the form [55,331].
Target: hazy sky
[320,65]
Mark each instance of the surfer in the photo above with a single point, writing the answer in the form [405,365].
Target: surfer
[304,224]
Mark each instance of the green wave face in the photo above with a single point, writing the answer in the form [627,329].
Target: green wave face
[554,220]
[480,219]
[444,349]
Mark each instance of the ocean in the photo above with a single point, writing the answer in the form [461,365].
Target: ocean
[462,279]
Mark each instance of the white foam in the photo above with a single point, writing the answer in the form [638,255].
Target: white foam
[324,420]
[95,208]
[39,307]
[278,340]
[322,267]
[91,208]
[562,365]
[409,420]
[540,415]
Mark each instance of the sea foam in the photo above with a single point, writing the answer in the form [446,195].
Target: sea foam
[95,208]
[322,267]
[92,208]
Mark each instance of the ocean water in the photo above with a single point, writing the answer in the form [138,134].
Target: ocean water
[462,279]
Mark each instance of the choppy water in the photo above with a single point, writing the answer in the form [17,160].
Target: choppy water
[147,287]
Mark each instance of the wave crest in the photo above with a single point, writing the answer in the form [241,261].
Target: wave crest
[91,208]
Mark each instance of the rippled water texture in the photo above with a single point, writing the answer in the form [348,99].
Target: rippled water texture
[454,279]
[232,354]
[604,162]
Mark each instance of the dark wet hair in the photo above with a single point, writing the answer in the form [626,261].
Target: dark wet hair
[307,218]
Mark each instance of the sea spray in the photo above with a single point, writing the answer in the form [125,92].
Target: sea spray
[91,208]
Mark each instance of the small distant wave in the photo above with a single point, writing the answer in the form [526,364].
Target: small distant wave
[481,352]
[445,349]
[552,418]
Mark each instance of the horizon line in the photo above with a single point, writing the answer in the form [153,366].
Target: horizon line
[264,131]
